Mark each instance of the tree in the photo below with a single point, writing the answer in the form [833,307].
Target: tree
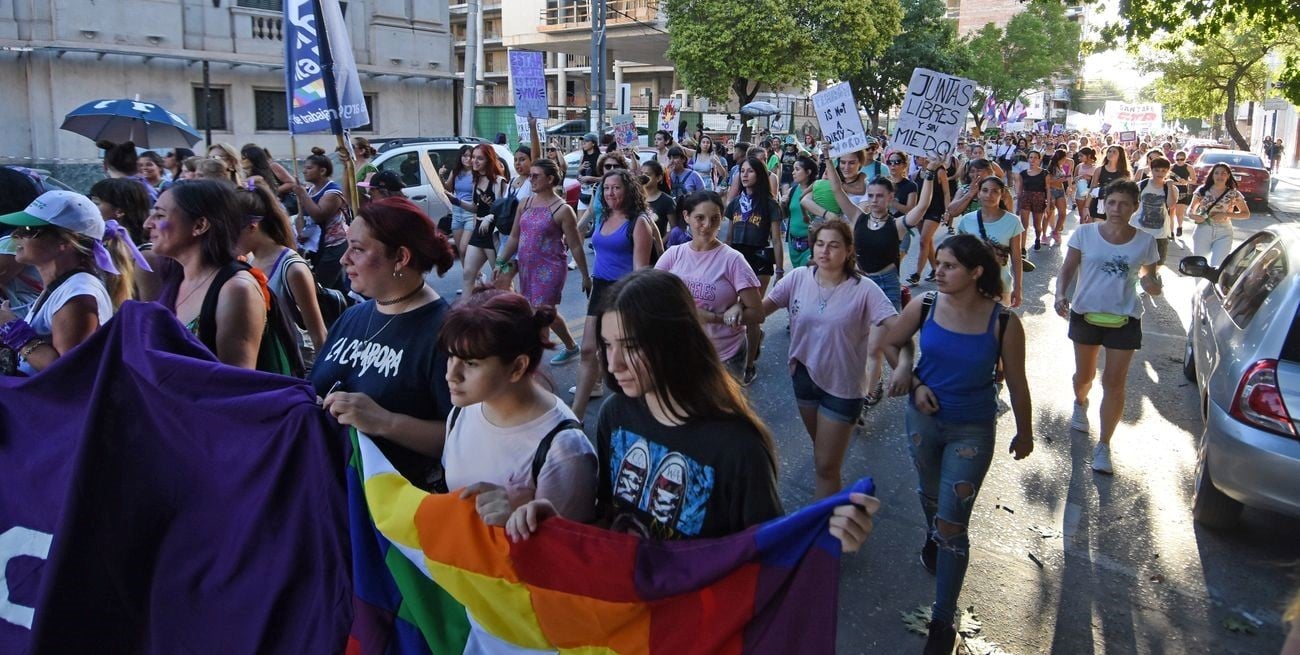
[1211,77]
[1037,43]
[1203,22]
[721,47]
[928,40]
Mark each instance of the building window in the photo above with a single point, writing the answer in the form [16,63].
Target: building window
[269,111]
[271,114]
[218,109]
[268,5]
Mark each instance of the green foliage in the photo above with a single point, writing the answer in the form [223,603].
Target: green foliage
[1037,43]
[1200,78]
[1202,22]
[720,46]
[928,40]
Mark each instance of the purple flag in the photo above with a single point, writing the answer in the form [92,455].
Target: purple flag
[157,501]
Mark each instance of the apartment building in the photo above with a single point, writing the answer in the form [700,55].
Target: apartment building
[58,54]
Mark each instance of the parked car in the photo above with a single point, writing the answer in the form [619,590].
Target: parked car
[404,158]
[571,160]
[1253,178]
[571,130]
[1243,355]
[1194,148]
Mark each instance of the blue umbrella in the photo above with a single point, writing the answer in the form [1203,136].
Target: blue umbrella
[146,124]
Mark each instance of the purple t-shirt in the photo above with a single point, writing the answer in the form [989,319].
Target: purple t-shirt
[829,327]
[715,277]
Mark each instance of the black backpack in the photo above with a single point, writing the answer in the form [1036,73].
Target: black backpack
[278,350]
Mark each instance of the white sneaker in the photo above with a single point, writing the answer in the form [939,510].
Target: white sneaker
[1079,420]
[596,391]
[1101,459]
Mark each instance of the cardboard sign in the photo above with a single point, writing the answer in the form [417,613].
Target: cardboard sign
[439,194]
[625,130]
[521,130]
[1128,137]
[670,114]
[933,113]
[837,113]
[528,74]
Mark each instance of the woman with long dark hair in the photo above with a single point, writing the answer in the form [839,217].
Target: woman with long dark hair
[1215,205]
[1114,168]
[676,415]
[1059,174]
[966,335]
[489,184]
[1031,196]
[255,162]
[658,197]
[755,232]
[804,175]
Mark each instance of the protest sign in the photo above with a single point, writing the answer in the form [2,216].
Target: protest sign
[1137,116]
[670,113]
[933,113]
[1058,129]
[521,129]
[439,204]
[1128,137]
[528,75]
[625,130]
[837,112]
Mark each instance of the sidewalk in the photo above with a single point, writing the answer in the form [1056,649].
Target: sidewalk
[1284,197]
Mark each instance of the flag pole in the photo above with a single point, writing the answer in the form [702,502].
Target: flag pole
[332,99]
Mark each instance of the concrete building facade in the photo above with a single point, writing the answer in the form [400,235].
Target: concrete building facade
[58,54]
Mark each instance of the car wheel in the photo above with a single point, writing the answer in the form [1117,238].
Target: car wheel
[1189,361]
[1211,507]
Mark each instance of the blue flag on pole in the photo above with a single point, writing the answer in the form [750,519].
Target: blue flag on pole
[315,41]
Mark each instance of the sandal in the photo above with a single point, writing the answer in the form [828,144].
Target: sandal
[914,279]
[751,372]
[875,396]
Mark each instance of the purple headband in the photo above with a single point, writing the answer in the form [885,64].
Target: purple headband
[113,230]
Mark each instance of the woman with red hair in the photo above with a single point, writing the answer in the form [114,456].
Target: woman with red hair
[489,184]
[381,370]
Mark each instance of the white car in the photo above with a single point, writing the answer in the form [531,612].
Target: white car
[403,157]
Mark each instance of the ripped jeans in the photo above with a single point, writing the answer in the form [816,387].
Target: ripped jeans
[951,460]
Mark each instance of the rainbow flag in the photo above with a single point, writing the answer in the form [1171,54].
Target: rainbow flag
[430,577]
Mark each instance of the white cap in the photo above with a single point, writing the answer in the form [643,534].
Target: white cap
[66,209]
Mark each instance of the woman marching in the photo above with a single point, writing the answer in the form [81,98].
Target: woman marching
[755,232]
[805,174]
[966,335]
[1031,197]
[1115,168]
[1215,205]
[1003,232]
[934,215]
[489,184]
[1181,174]
[833,312]
[544,225]
[1082,178]
[1059,190]
[324,204]
[1109,259]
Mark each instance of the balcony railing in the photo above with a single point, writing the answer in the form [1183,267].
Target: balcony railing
[576,14]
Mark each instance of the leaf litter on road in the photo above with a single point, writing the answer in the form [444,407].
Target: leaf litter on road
[917,620]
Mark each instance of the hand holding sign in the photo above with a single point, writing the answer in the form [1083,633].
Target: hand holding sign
[933,113]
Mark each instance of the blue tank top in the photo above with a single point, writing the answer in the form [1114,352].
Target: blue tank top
[463,187]
[613,253]
[959,369]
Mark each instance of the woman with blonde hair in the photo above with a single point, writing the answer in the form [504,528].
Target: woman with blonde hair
[87,266]
[230,157]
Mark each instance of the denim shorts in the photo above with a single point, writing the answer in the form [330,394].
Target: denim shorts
[461,219]
[808,395]
[889,283]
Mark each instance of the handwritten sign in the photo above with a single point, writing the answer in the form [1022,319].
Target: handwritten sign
[670,114]
[521,130]
[1128,136]
[625,130]
[1137,116]
[933,113]
[840,121]
[528,74]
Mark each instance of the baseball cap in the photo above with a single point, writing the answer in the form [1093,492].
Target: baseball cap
[66,209]
[789,139]
[591,136]
[386,180]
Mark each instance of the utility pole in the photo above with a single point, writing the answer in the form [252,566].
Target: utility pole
[598,64]
[469,92]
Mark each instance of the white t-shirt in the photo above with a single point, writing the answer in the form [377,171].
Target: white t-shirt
[829,328]
[1001,230]
[715,277]
[1154,201]
[1108,272]
[478,451]
[80,284]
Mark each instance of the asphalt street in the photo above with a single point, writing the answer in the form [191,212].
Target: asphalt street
[1063,560]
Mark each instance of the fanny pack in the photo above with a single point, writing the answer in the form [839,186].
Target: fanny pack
[1106,320]
[799,244]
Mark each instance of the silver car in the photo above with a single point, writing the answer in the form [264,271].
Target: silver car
[1243,353]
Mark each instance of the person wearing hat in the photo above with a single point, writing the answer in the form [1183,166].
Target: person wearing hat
[384,184]
[588,174]
[62,234]
[682,180]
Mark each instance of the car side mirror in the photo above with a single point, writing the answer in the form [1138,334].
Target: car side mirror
[1197,266]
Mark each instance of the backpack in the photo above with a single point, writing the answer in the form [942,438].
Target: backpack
[278,350]
[332,302]
[656,239]
[1004,317]
[439,482]
[1147,218]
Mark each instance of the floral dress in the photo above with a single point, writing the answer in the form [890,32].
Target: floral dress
[542,260]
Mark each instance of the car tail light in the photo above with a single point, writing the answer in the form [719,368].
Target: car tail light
[1258,400]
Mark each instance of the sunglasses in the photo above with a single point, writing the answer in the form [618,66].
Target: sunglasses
[895,162]
[610,167]
[25,232]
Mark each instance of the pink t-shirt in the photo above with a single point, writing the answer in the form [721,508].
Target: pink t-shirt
[715,277]
[829,327]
